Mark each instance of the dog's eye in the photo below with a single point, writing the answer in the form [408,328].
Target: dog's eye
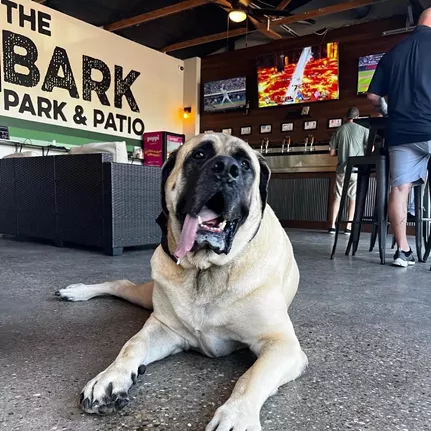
[245,164]
[198,155]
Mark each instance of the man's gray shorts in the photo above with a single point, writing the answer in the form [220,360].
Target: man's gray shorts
[409,163]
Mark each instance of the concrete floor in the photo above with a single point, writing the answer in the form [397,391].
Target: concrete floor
[366,329]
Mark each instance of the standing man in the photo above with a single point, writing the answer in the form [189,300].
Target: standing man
[350,140]
[403,76]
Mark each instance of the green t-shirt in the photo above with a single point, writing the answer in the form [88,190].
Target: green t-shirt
[350,140]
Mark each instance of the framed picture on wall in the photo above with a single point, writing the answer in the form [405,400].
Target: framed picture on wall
[227,131]
[310,125]
[305,110]
[334,123]
[245,130]
[287,127]
[265,128]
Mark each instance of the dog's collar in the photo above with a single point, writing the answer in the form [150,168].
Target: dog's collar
[162,221]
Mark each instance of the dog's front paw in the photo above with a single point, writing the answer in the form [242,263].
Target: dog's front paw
[75,292]
[107,393]
[235,415]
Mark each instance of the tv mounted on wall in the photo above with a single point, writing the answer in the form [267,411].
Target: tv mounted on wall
[302,75]
[366,68]
[225,95]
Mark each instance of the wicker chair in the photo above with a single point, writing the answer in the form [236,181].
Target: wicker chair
[81,199]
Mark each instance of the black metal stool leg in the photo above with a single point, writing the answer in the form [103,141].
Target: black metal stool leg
[382,171]
[418,193]
[373,237]
[427,250]
[342,204]
[361,198]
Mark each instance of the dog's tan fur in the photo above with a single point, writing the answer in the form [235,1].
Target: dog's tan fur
[214,304]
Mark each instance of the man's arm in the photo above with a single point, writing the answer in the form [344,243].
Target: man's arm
[379,103]
[379,87]
[333,145]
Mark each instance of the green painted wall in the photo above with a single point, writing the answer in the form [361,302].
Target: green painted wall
[45,134]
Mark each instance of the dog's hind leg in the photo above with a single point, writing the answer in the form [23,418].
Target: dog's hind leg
[140,294]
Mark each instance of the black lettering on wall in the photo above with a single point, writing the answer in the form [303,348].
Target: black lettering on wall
[138,127]
[11,59]
[121,119]
[44,107]
[122,88]
[27,105]
[58,111]
[89,85]
[29,18]
[59,60]
[11,99]
[99,117]
[10,6]
[110,122]
[43,23]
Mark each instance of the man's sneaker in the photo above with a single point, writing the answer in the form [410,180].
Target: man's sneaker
[404,259]
[331,231]
[347,231]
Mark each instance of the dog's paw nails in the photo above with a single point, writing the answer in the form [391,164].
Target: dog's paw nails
[232,416]
[107,393]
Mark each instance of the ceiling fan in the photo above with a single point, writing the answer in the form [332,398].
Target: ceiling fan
[241,9]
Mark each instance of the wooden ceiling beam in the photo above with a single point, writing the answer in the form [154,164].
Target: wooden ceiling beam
[329,10]
[205,39]
[341,7]
[156,14]
[283,4]
[260,26]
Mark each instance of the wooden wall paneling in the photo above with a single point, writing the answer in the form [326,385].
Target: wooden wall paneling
[355,41]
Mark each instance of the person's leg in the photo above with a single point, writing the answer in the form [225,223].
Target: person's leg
[339,181]
[408,164]
[335,209]
[398,214]
[351,193]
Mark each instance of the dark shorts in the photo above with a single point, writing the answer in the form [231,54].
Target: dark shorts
[409,163]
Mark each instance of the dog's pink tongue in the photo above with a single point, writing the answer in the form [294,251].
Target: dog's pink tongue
[187,237]
[188,233]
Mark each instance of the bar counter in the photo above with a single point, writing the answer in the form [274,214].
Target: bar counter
[302,184]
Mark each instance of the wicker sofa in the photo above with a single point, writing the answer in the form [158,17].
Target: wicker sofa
[80,199]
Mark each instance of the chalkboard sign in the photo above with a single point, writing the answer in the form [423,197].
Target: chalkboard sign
[4,132]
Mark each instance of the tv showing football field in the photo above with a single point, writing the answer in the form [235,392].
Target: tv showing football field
[302,75]
[366,69]
[225,95]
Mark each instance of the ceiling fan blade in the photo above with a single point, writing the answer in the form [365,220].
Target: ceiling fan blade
[269,12]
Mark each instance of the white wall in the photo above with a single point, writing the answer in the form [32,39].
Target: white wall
[192,81]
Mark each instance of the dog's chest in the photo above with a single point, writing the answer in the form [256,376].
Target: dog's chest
[204,314]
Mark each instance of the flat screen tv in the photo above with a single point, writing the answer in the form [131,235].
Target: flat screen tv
[302,75]
[225,95]
[367,67]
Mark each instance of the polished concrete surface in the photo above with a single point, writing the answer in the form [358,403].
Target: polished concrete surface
[366,329]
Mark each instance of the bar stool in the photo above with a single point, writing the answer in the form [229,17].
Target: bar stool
[373,162]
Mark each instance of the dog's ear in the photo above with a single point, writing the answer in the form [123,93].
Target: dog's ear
[166,171]
[265,175]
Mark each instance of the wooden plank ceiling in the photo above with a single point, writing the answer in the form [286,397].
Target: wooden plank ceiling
[195,33]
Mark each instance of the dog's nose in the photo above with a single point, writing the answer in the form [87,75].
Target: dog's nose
[225,166]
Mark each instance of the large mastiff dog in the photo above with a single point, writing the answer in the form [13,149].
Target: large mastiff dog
[223,279]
